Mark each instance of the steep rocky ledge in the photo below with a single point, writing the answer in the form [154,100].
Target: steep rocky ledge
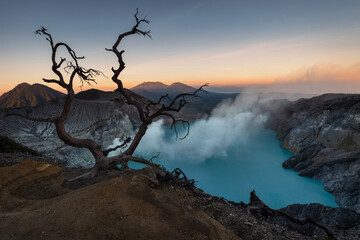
[94,114]
[323,133]
[345,223]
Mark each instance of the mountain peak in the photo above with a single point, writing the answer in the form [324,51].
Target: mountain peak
[22,86]
[178,84]
[153,90]
[181,87]
[150,86]
[159,86]
[25,94]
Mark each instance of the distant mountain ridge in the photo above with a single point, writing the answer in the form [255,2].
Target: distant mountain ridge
[150,86]
[155,89]
[204,103]
[25,95]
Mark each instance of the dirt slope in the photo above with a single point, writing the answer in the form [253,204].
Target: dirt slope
[119,208]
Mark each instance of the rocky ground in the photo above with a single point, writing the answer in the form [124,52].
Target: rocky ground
[324,135]
[36,203]
[344,222]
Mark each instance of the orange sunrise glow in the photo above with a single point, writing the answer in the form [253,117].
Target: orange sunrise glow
[247,53]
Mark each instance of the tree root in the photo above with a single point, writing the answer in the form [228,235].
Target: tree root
[187,183]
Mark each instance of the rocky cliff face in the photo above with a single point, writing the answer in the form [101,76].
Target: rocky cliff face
[344,223]
[324,135]
[95,114]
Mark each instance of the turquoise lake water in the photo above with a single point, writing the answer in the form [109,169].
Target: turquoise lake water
[253,164]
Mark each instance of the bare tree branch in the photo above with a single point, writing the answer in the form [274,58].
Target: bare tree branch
[123,145]
[182,102]
[85,75]
[184,95]
[174,123]
[155,104]
[53,81]
[153,157]
[188,183]
[61,62]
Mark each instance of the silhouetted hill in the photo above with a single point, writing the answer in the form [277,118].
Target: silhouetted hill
[204,103]
[24,95]
[95,94]
[146,86]
[153,90]
[180,87]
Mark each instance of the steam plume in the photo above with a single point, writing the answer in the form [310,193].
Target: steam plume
[230,121]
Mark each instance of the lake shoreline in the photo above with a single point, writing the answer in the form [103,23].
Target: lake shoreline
[214,178]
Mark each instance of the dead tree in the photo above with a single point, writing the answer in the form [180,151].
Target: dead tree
[147,113]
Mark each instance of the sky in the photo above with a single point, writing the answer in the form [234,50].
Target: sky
[290,45]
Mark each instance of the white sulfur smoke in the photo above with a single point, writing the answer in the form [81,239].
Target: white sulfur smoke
[230,121]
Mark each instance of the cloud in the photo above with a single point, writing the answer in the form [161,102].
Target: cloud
[324,72]
[317,79]
[230,121]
